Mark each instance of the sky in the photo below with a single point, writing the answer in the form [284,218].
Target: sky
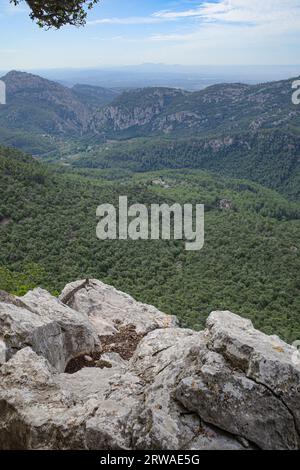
[127,32]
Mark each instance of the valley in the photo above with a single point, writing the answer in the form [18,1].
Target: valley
[250,262]
[234,148]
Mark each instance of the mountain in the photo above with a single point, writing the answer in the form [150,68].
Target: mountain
[97,370]
[239,130]
[223,108]
[40,114]
[41,106]
[94,96]
[250,262]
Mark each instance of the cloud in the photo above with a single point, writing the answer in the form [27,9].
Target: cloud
[132,20]
[267,17]
[166,14]
[284,14]
[255,12]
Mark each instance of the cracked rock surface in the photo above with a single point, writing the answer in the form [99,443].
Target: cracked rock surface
[228,387]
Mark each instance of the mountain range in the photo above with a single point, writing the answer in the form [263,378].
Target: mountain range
[237,130]
[54,108]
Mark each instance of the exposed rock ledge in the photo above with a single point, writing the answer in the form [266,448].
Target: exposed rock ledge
[228,387]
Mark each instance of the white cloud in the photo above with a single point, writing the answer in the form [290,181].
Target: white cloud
[283,14]
[255,12]
[177,14]
[132,20]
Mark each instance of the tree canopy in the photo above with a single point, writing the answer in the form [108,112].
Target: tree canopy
[57,13]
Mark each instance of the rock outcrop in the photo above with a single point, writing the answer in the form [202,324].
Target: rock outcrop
[228,387]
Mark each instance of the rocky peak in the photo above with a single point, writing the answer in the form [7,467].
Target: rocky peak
[141,381]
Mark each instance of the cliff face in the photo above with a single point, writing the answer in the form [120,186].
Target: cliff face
[98,370]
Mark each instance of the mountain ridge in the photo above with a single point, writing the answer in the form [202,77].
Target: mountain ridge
[160,110]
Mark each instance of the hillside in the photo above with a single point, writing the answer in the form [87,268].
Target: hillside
[94,96]
[217,109]
[40,114]
[270,158]
[236,130]
[250,263]
[54,108]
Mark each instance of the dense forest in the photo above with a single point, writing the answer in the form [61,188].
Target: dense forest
[250,263]
[270,158]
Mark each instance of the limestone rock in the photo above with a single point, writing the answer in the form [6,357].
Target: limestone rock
[227,399]
[42,322]
[108,309]
[228,387]
[265,359]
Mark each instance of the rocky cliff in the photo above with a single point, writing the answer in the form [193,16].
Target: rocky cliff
[95,369]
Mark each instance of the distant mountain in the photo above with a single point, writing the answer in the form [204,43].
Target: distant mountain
[172,76]
[38,105]
[39,112]
[94,96]
[240,130]
[217,109]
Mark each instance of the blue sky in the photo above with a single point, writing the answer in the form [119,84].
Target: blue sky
[121,32]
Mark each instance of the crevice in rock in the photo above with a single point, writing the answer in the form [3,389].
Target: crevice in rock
[70,295]
[278,397]
[233,364]
[84,360]
[162,350]
[123,343]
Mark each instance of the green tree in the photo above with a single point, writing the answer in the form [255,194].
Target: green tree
[57,13]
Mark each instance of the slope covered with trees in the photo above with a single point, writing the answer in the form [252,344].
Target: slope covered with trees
[250,262]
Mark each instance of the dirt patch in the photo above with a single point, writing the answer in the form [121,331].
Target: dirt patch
[124,343]
[5,221]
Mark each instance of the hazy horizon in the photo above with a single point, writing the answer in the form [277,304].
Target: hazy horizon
[177,76]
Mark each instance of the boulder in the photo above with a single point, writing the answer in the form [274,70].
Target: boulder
[229,400]
[162,357]
[49,327]
[265,359]
[109,309]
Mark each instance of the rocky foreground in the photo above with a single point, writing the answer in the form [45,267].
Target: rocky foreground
[95,369]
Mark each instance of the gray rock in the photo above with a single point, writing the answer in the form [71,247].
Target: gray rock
[52,329]
[228,387]
[3,352]
[41,409]
[108,308]
[265,359]
[162,357]
[229,400]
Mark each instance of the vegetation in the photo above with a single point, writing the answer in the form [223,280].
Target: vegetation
[250,263]
[270,158]
[57,13]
